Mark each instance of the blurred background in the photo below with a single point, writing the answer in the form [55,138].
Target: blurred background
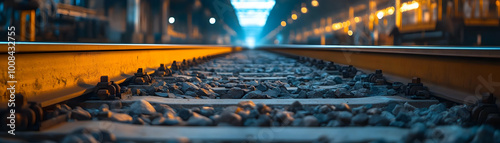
[255,22]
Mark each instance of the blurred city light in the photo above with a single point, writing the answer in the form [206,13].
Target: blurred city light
[303,8]
[212,20]
[314,3]
[171,20]
[294,16]
[349,32]
[283,23]
[380,14]
[357,19]
[250,41]
[409,6]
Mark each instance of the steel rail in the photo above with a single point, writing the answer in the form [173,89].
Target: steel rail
[459,74]
[49,73]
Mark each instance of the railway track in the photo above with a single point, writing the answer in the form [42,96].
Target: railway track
[256,96]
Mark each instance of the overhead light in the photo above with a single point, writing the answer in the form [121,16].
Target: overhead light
[409,6]
[212,20]
[349,32]
[283,23]
[380,15]
[314,3]
[357,19]
[303,9]
[171,20]
[294,16]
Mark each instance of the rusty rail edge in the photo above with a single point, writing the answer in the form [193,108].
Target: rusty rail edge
[475,52]
[49,73]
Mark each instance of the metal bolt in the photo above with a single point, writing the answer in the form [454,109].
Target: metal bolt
[104,78]
[415,80]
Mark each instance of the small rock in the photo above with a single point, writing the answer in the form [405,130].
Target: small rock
[104,107]
[230,119]
[120,117]
[158,121]
[199,120]
[264,121]
[417,132]
[360,119]
[80,114]
[284,117]
[397,124]
[234,93]
[116,105]
[273,92]
[256,95]
[409,107]
[378,120]
[403,117]
[207,111]
[310,121]
[185,114]
[188,86]
[374,111]
[343,107]
[344,116]
[261,87]
[142,107]
[247,104]
[263,108]
[138,121]
[437,108]
[484,134]
[314,94]
[296,106]
[388,115]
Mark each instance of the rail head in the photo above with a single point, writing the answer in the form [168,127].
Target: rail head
[53,47]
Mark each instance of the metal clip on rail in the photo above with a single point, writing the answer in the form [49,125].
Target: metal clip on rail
[23,116]
[417,89]
[349,71]
[486,111]
[141,78]
[331,66]
[163,71]
[377,78]
[106,90]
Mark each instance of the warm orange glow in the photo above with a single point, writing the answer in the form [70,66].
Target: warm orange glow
[380,14]
[349,32]
[303,9]
[314,3]
[357,19]
[409,6]
[390,10]
[283,23]
[294,16]
[328,29]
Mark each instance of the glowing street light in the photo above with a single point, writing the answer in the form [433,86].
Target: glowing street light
[304,8]
[283,23]
[380,15]
[314,3]
[171,20]
[212,20]
[349,32]
[357,19]
[294,16]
